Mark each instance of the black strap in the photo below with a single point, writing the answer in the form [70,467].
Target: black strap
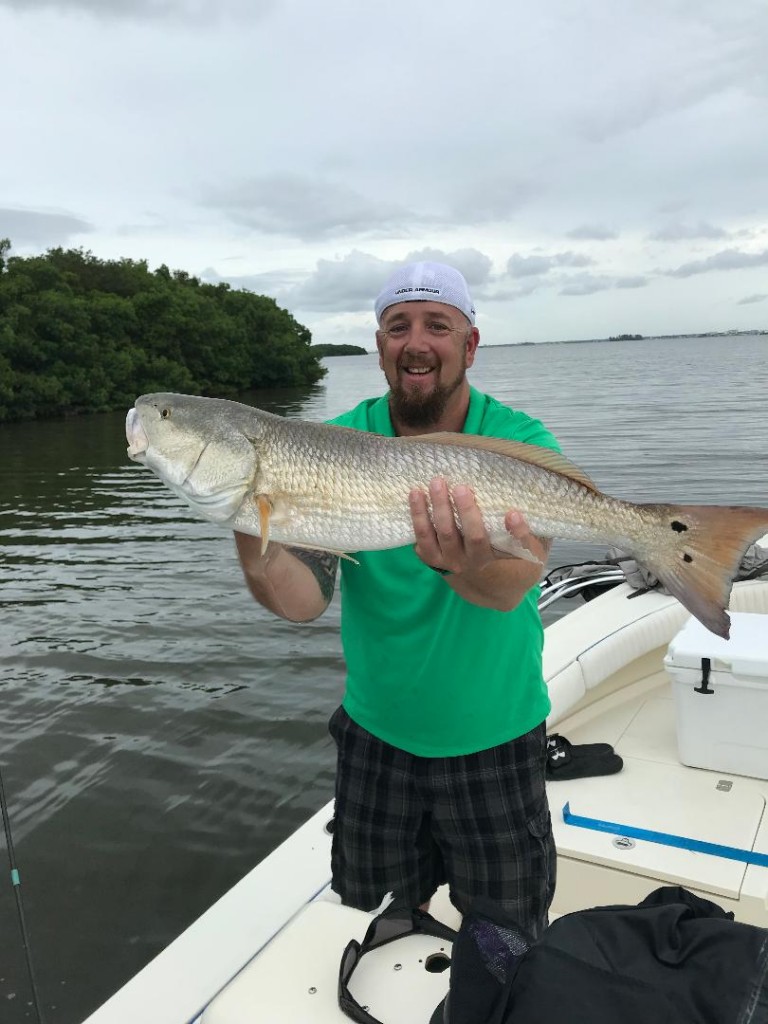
[392,924]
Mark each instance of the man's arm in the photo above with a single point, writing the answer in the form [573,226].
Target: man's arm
[294,583]
[477,572]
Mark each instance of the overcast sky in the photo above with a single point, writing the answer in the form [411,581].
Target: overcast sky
[594,167]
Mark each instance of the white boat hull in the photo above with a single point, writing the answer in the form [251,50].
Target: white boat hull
[269,950]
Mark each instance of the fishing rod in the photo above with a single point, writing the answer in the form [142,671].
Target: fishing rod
[16,882]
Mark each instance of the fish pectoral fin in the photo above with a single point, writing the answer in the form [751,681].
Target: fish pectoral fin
[276,510]
[345,556]
[510,547]
[264,506]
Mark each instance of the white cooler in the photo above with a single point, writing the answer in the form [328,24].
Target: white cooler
[722,711]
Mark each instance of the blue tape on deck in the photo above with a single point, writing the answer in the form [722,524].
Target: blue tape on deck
[665,838]
[15,877]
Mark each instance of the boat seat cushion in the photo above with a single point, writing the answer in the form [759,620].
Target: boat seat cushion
[598,639]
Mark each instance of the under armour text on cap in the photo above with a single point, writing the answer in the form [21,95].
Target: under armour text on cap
[426,282]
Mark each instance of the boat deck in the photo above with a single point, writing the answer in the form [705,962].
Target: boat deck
[298,970]
[297,975]
[272,945]
[655,792]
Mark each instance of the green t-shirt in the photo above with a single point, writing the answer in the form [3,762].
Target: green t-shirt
[427,671]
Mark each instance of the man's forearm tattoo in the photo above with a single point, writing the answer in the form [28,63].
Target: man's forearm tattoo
[323,566]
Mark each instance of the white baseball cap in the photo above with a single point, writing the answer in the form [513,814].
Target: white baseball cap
[426,282]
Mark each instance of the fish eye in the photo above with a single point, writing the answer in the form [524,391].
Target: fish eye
[165,414]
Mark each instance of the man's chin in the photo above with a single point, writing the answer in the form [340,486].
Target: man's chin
[416,408]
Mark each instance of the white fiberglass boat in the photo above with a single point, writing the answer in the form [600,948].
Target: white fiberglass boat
[627,668]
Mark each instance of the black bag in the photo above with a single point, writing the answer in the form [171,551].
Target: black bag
[675,958]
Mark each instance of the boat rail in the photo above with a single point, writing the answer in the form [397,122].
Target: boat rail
[590,579]
[554,590]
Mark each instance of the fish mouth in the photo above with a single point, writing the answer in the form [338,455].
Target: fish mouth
[138,442]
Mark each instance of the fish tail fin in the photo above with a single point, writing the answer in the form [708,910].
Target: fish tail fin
[700,553]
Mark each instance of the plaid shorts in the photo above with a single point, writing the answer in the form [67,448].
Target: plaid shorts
[406,824]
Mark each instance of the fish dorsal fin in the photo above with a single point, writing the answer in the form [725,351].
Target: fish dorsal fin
[545,458]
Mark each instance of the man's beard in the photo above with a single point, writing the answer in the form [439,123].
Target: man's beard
[413,408]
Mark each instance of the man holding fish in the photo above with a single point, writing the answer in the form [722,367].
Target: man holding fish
[428,490]
[441,735]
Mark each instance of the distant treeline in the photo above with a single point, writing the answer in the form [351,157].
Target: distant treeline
[338,350]
[80,334]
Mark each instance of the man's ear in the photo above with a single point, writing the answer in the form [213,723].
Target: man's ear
[473,340]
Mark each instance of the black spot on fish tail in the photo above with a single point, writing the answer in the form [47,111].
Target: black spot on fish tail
[699,565]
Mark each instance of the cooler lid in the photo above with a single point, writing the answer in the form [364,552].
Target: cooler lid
[745,654]
[666,799]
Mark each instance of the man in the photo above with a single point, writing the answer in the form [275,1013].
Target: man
[441,736]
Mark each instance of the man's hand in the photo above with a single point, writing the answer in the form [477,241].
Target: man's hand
[479,573]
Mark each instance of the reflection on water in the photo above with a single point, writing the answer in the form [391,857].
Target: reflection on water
[159,732]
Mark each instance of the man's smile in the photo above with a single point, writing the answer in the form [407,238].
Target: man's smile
[417,369]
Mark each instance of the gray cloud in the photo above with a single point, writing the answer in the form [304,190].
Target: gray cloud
[673,206]
[500,292]
[347,285]
[492,199]
[749,299]
[308,209]
[636,281]
[686,232]
[576,284]
[727,259]
[39,229]
[152,224]
[314,209]
[350,284]
[586,284]
[715,49]
[473,264]
[530,266]
[592,232]
[273,282]
[748,233]
[209,122]
[193,11]
[573,259]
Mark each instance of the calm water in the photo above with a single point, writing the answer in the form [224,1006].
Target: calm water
[159,732]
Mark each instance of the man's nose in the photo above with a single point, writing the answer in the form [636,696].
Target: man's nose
[418,338]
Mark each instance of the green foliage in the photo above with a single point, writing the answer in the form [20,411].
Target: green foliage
[338,350]
[80,334]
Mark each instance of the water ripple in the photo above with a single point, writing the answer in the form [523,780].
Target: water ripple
[159,732]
